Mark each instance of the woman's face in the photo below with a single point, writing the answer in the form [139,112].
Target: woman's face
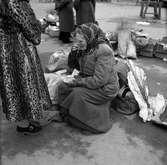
[80,41]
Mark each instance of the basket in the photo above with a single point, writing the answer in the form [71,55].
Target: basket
[160,51]
[149,49]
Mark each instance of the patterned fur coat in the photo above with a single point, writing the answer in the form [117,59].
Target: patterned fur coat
[23,88]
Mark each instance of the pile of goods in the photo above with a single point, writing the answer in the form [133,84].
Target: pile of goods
[50,24]
[150,106]
[58,61]
[132,43]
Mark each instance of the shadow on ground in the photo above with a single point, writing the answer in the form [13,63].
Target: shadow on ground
[150,134]
[59,139]
[54,137]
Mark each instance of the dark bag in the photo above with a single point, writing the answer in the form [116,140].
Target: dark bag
[125,102]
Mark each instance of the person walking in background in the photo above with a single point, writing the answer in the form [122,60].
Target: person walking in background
[66,19]
[85,11]
[23,89]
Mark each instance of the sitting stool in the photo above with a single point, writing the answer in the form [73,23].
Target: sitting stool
[145,4]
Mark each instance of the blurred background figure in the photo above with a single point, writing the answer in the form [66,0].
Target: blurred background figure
[85,11]
[166,15]
[66,19]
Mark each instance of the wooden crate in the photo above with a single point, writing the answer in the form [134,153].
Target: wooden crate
[147,51]
[160,52]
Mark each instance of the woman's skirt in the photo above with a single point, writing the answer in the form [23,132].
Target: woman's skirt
[87,109]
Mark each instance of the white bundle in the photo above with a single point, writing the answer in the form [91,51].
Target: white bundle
[149,106]
[52,17]
[58,61]
[126,46]
[55,79]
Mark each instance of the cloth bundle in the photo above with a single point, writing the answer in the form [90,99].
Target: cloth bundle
[57,61]
[150,106]
[55,79]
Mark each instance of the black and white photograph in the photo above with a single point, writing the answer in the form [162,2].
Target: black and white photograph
[83,82]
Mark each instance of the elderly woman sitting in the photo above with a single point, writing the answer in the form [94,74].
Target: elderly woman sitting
[85,100]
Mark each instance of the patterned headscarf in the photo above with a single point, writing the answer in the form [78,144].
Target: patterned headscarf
[93,35]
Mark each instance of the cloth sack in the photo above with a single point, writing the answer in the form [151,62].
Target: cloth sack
[76,4]
[57,61]
[53,81]
[126,47]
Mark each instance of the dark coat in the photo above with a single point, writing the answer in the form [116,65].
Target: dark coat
[89,99]
[85,11]
[66,15]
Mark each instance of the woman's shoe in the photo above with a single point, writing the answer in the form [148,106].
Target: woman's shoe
[31,129]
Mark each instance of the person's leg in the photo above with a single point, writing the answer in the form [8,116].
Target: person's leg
[155,11]
[66,37]
[89,107]
[34,95]
[166,18]
[60,35]
[142,9]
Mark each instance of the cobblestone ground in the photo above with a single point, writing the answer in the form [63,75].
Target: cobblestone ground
[129,142]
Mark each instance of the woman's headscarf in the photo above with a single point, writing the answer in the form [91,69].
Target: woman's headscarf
[93,35]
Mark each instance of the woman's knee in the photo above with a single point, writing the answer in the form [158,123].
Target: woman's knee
[78,91]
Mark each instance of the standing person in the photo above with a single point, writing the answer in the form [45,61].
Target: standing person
[85,11]
[23,88]
[166,15]
[66,19]
[85,100]
[94,4]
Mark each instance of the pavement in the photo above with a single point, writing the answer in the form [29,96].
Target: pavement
[130,141]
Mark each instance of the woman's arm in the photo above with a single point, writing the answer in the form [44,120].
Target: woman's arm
[103,70]
[22,13]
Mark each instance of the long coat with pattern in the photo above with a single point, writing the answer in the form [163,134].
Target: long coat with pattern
[23,88]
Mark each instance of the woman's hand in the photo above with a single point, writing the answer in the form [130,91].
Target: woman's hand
[70,81]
